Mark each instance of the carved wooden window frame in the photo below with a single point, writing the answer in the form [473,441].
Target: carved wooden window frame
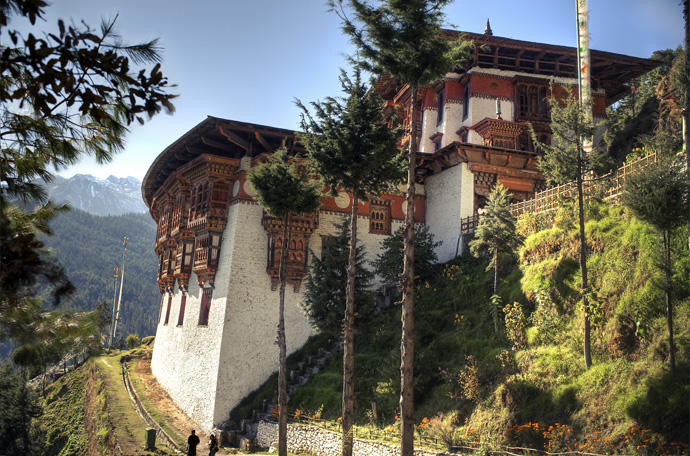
[379,218]
[205,307]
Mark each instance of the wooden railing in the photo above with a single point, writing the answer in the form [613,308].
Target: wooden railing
[609,187]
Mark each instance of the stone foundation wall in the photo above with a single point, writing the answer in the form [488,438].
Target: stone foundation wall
[303,438]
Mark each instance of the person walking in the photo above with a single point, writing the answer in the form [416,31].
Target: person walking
[213,445]
[192,442]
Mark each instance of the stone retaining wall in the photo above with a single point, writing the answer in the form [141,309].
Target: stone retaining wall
[304,438]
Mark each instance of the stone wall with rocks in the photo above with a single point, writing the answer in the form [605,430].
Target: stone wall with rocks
[304,438]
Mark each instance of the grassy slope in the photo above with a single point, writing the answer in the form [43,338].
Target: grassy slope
[544,381]
[86,410]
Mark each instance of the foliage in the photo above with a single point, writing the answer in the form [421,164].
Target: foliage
[496,230]
[656,194]
[63,95]
[68,93]
[324,298]
[638,113]
[389,264]
[350,142]
[282,187]
[515,324]
[402,39]
[25,262]
[569,125]
[545,317]
[20,406]
[441,427]
[133,341]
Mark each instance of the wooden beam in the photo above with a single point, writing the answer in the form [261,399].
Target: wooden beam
[262,140]
[216,144]
[244,144]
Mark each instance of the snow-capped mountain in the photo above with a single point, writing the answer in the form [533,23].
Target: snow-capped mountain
[112,196]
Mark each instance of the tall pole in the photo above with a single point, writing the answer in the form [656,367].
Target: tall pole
[122,281]
[584,147]
[112,316]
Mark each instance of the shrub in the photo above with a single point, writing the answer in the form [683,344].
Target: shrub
[133,341]
[441,427]
[545,317]
[530,435]
[515,324]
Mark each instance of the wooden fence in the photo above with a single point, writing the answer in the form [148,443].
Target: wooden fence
[608,187]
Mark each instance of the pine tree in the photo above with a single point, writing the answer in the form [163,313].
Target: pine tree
[352,148]
[324,297]
[404,39]
[656,195]
[496,234]
[283,192]
[63,95]
[564,161]
[389,264]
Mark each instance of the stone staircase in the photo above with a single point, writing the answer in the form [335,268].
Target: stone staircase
[243,434]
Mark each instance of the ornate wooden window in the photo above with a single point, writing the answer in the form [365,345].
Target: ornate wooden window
[205,306]
[167,311]
[532,101]
[183,303]
[198,204]
[379,217]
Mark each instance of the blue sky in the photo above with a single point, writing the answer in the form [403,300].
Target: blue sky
[249,59]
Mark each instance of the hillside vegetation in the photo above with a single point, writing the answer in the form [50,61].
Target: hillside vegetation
[90,246]
[528,385]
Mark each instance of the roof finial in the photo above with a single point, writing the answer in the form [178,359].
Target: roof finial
[488,31]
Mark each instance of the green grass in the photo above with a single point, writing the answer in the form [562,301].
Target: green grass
[547,382]
[151,407]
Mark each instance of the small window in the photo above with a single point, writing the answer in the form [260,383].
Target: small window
[160,312]
[205,306]
[167,312]
[466,102]
[183,303]
[441,95]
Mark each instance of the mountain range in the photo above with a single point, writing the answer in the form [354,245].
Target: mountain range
[111,196]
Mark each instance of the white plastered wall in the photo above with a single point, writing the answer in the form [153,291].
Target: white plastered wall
[185,359]
[208,370]
[450,197]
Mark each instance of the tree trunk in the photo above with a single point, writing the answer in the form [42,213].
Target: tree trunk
[348,334]
[493,304]
[669,304]
[282,357]
[407,279]
[686,113]
[583,260]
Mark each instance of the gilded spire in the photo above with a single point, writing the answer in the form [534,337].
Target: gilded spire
[487,30]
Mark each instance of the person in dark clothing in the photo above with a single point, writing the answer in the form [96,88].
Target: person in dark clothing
[213,446]
[192,442]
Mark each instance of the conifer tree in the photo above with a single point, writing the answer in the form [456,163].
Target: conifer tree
[352,148]
[656,195]
[389,264]
[63,95]
[283,192]
[403,39]
[564,161]
[324,298]
[496,234]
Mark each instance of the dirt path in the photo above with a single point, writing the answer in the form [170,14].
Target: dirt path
[164,404]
